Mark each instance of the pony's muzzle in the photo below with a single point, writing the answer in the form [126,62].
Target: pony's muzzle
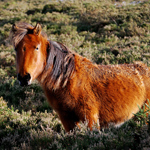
[24,81]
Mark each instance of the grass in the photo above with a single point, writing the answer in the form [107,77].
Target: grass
[106,32]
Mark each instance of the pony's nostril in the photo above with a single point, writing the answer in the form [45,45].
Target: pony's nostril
[19,77]
[28,77]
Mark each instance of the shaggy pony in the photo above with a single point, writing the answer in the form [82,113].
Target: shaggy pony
[77,89]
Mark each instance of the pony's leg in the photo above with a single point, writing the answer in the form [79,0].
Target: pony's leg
[93,120]
[68,123]
[77,124]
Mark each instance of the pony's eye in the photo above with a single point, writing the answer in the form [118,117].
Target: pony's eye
[24,48]
[36,48]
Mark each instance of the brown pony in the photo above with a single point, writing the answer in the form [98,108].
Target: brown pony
[77,89]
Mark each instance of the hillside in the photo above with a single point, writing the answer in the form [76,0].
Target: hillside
[106,32]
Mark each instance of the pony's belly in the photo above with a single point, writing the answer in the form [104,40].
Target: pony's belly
[121,99]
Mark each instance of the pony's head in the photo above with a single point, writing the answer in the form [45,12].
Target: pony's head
[31,50]
[38,58]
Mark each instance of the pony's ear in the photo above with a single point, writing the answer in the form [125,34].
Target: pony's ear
[37,29]
[14,28]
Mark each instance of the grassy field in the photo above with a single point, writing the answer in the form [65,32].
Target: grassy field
[109,32]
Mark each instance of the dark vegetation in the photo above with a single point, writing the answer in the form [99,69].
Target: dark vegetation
[106,32]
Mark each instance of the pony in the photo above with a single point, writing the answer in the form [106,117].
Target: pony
[76,88]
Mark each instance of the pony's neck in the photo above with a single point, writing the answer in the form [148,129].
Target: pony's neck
[59,66]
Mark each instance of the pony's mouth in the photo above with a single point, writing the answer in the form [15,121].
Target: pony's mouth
[24,81]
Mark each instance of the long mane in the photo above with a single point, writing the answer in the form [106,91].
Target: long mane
[60,63]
